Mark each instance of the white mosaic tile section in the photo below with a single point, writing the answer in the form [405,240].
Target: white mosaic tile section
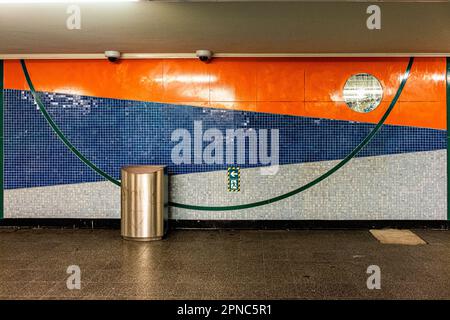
[82,200]
[406,186]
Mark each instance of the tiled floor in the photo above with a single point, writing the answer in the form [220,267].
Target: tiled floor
[221,265]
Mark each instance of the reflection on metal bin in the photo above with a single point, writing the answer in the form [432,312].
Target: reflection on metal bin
[144,214]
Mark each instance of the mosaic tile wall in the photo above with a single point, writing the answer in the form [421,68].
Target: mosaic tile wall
[400,174]
[113,133]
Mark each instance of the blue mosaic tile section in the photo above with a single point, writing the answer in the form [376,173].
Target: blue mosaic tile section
[112,133]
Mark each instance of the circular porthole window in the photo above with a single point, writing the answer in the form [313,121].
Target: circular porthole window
[363,92]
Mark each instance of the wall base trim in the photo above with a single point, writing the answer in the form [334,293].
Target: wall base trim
[230,224]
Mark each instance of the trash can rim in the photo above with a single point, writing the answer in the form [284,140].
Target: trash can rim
[142,168]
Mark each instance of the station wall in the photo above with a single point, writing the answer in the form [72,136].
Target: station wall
[183,113]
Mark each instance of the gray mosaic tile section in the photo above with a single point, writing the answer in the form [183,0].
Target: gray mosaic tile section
[82,200]
[405,186]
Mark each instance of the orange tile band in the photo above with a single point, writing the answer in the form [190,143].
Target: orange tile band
[295,86]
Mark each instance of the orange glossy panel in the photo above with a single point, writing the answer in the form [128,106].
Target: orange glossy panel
[233,80]
[288,108]
[301,87]
[13,76]
[426,81]
[420,114]
[281,80]
[185,80]
[340,111]
[325,78]
[129,79]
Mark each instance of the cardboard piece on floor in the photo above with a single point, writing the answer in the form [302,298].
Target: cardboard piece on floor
[396,236]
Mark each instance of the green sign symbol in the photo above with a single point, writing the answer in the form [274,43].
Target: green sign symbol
[234,179]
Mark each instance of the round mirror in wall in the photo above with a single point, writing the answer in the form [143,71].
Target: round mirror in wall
[363,92]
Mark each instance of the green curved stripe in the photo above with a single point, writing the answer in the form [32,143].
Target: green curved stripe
[59,132]
[241,206]
[320,178]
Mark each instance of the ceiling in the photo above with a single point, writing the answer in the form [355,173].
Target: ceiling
[227,28]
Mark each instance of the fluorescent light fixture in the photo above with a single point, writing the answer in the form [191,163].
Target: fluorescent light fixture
[64,1]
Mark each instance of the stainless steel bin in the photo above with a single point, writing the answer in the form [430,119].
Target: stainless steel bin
[144,203]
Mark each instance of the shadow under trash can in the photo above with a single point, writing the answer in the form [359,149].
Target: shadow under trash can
[144,214]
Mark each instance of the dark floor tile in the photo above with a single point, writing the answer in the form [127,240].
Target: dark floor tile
[327,273]
[18,289]
[253,291]
[18,275]
[60,290]
[14,264]
[414,290]
[278,271]
[282,290]
[434,237]
[215,267]
[127,275]
[158,290]
[328,290]
[237,278]
[38,288]
[275,253]
[221,264]
[12,288]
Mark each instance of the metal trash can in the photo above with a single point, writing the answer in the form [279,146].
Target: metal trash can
[144,214]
